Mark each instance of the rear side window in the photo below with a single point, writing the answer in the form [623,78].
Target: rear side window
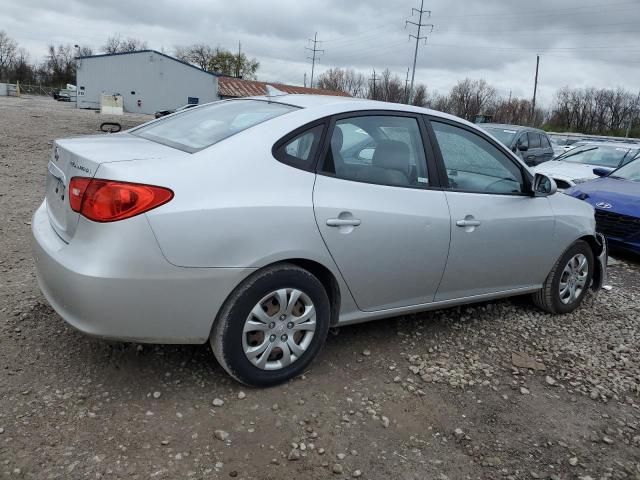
[300,151]
[534,140]
[379,149]
[201,127]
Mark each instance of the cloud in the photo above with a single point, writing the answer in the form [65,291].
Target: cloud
[581,43]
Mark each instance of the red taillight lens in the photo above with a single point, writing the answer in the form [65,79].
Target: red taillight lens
[108,200]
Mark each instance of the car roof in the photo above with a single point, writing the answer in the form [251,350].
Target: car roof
[507,126]
[350,104]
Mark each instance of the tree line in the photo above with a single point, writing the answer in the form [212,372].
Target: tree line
[585,110]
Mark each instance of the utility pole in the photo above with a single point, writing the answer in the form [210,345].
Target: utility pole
[315,51]
[373,80]
[406,85]
[535,91]
[239,59]
[421,12]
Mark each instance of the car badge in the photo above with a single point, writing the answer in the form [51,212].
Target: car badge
[604,205]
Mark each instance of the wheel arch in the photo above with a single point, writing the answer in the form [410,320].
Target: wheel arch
[599,248]
[321,272]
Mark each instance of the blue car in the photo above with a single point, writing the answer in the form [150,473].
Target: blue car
[616,199]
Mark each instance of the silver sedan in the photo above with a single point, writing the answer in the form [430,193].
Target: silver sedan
[257,224]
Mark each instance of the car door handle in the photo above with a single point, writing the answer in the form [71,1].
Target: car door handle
[468,223]
[343,222]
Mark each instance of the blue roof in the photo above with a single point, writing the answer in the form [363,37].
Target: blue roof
[151,51]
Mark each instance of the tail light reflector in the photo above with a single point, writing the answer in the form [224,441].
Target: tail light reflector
[109,200]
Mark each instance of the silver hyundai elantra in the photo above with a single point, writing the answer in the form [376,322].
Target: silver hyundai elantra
[257,224]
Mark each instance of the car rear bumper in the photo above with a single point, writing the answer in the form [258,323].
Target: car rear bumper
[112,281]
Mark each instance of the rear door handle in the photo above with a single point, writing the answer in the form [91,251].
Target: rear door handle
[468,223]
[343,222]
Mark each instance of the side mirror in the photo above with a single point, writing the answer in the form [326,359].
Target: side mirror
[543,186]
[601,172]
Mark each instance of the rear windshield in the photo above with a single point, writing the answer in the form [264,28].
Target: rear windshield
[198,128]
[503,134]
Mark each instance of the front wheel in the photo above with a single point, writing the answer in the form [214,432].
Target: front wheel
[272,326]
[570,278]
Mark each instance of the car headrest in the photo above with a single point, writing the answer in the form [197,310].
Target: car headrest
[392,155]
[337,139]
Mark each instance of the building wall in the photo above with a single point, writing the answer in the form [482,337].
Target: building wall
[158,81]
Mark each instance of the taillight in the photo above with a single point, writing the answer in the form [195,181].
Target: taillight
[109,200]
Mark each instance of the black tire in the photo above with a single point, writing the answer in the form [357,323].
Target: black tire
[548,298]
[227,333]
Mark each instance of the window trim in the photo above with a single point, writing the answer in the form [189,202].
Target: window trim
[430,161]
[444,178]
[277,151]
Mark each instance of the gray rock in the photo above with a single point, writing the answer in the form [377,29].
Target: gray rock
[356,474]
[294,455]
[337,468]
[550,381]
[241,395]
[218,402]
[573,461]
[221,435]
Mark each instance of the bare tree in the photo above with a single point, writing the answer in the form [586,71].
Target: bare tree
[218,60]
[8,49]
[117,44]
[342,80]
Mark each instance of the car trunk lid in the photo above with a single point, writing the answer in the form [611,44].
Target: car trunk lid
[81,157]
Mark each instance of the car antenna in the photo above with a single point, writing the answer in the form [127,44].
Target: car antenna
[274,92]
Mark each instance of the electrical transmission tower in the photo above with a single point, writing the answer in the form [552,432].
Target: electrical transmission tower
[418,37]
[314,51]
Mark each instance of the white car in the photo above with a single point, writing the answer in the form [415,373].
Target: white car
[576,165]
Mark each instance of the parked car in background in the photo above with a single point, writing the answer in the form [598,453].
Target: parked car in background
[562,144]
[164,113]
[616,199]
[256,224]
[576,165]
[530,144]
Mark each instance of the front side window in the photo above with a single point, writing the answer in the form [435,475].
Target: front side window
[545,141]
[198,128]
[474,165]
[382,149]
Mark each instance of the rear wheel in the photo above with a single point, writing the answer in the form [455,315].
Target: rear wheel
[272,326]
[569,280]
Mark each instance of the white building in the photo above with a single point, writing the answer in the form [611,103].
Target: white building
[147,80]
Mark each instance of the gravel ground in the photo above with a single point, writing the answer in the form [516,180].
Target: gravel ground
[496,390]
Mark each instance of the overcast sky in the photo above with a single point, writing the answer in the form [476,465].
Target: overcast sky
[581,43]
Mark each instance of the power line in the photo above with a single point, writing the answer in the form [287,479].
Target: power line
[421,12]
[315,51]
